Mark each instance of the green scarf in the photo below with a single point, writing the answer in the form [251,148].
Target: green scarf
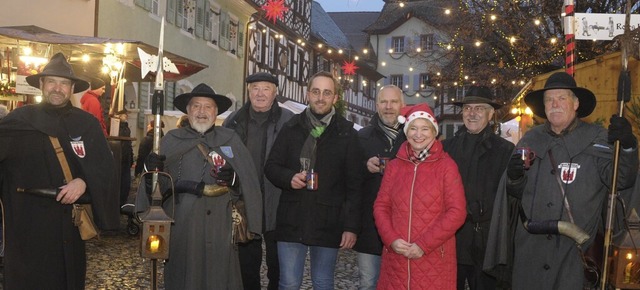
[316,129]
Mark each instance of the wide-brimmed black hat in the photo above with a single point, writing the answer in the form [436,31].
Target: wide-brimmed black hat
[478,95]
[58,67]
[561,80]
[202,90]
[262,77]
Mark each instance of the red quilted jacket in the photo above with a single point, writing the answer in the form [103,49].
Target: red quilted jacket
[421,203]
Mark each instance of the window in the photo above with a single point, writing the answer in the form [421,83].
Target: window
[155,7]
[258,49]
[293,66]
[189,16]
[426,42]
[396,80]
[212,25]
[425,81]
[322,64]
[271,50]
[145,91]
[145,4]
[397,43]
[233,36]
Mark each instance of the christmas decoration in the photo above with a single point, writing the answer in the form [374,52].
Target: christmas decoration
[349,68]
[275,9]
[7,89]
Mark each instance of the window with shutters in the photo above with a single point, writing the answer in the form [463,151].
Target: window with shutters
[397,43]
[233,35]
[240,50]
[396,80]
[212,25]
[189,16]
[224,30]
[180,13]
[145,91]
[171,11]
[426,41]
[199,27]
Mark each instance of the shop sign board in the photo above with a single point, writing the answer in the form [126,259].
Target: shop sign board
[24,70]
[602,26]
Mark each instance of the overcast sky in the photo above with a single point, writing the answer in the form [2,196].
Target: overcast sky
[351,5]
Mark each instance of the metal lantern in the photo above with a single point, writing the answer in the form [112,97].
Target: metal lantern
[625,270]
[156,229]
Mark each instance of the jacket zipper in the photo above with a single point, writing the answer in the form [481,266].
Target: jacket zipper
[413,184]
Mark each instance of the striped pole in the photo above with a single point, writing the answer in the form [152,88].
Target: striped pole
[569,36]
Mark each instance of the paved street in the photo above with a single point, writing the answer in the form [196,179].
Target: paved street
[113,262]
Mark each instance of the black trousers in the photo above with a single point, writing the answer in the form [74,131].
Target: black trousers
[250,255]
[477,279]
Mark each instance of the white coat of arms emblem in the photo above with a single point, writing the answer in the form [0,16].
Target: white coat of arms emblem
[568,172]
[217,159]
[78,148]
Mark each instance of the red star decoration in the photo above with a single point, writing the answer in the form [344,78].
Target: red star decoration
[349,68]
[275,9]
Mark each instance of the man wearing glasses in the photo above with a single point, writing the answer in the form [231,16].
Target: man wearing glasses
[317,162]
[482,156]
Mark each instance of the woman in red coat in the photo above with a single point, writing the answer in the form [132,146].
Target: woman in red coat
[419,207]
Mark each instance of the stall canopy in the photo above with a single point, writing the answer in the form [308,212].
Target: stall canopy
[75,47]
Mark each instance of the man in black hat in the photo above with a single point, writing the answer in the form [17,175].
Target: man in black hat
[40,236]
[258,123]
[482,157]
[201,253]
[566,182]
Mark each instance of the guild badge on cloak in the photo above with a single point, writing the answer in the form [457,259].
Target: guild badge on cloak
[78,148]
[218,160]
[568,172]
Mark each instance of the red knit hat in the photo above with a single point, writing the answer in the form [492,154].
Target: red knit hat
[410,113]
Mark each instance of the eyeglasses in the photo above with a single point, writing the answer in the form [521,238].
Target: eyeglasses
[325,93]
[476,109]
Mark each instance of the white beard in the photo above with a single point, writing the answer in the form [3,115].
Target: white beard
[201,128]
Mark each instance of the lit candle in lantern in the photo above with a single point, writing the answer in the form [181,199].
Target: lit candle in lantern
[154,244]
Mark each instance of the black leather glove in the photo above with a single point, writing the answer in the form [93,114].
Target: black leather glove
[515,169]
[226,176]
[154,162]
[620,129]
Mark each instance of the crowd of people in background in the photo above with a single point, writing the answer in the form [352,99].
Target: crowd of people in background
[473,211]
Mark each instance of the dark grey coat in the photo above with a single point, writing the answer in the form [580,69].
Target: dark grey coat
[238,121]
[201,255]
[542,261]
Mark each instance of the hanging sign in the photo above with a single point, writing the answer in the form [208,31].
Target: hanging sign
[602,26]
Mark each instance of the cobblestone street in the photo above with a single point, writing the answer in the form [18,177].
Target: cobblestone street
[114,262]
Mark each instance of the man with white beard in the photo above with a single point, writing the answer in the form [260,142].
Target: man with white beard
[201,252]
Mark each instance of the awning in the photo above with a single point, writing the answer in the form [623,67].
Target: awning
[74,46]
